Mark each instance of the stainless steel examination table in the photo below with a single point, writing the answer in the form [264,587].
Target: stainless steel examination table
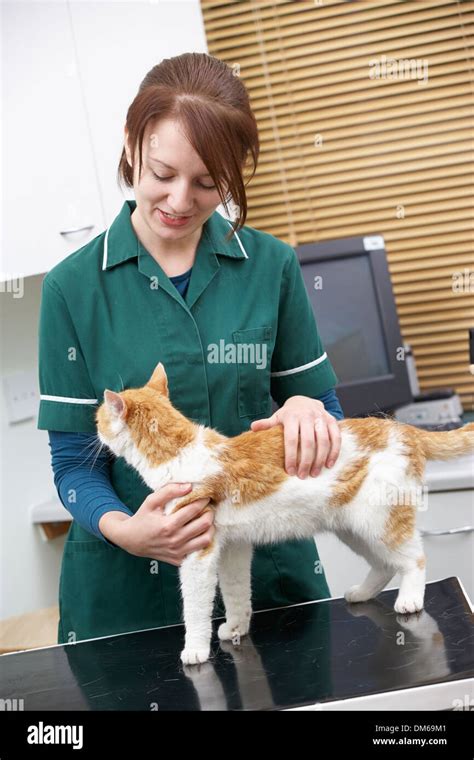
[318,655]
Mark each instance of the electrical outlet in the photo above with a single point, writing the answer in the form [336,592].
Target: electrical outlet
[21,395]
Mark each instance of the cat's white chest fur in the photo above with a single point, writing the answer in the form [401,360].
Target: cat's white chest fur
[191,465]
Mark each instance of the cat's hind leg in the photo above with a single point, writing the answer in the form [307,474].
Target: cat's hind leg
[375,582]
[198,576]
[379,575]
[235,563]
[411,565]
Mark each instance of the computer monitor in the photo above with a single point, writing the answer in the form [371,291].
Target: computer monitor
[349,286]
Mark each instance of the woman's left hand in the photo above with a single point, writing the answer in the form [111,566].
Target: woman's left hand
[305,422]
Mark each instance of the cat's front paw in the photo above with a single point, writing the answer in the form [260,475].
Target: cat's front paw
[407,604]
[228,632]
[357,594]
[193,655]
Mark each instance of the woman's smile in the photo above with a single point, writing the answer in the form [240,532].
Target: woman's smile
[172,221]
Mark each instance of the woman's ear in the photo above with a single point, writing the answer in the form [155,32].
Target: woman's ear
[127,146]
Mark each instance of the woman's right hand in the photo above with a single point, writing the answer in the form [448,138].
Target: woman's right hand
[151,533]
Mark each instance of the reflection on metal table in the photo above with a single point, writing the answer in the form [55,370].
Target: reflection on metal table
[317,655]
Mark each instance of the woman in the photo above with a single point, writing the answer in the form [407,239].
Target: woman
[170,281]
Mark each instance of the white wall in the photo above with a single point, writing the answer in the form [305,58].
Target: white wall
[29,566]
[144,32]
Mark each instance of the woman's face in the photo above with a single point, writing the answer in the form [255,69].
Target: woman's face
[174,180]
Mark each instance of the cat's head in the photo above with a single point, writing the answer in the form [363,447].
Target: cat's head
[143,421]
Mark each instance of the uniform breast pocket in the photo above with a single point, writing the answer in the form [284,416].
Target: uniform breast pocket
[253,349]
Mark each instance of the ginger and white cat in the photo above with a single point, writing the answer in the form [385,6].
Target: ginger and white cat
[368,498]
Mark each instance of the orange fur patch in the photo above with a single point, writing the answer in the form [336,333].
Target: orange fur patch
[349,482]
[200,492]
[371,432]
[423,444]
[421,562]
[446,444]
[212,438]
[400,525]
[103,422]
[253,467]
[157,429]
[409,435]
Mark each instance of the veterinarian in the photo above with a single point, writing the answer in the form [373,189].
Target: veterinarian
[227,314]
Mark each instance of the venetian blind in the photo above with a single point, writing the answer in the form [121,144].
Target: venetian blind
[354,142]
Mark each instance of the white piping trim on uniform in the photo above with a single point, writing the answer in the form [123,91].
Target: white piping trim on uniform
[67,400]
[238,240]
[106,245]
[300,369]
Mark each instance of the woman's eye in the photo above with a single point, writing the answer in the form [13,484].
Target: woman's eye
[165,179]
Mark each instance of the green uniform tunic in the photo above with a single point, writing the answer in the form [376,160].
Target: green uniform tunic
[109,314]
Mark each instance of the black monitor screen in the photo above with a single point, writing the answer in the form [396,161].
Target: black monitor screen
[344,302]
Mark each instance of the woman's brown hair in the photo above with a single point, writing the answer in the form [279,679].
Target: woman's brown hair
[213,108]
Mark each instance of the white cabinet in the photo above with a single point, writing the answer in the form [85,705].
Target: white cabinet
[70,72]
[117,44]
[448,522]
[49,177]
[448,536]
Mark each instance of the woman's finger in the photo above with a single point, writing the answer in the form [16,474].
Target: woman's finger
[335,442]
[200,542]
[307,447]
[194,528]
[322,445]
[290,432]
[188,513]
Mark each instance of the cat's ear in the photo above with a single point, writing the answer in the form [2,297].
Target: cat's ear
[158,380]
[116,403]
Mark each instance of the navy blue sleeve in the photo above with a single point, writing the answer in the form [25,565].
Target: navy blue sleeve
[332,404]
[82,479]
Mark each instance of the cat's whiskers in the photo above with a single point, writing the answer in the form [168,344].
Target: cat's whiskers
[95,447]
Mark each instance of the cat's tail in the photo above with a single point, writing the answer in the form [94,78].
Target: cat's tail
[446,444]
